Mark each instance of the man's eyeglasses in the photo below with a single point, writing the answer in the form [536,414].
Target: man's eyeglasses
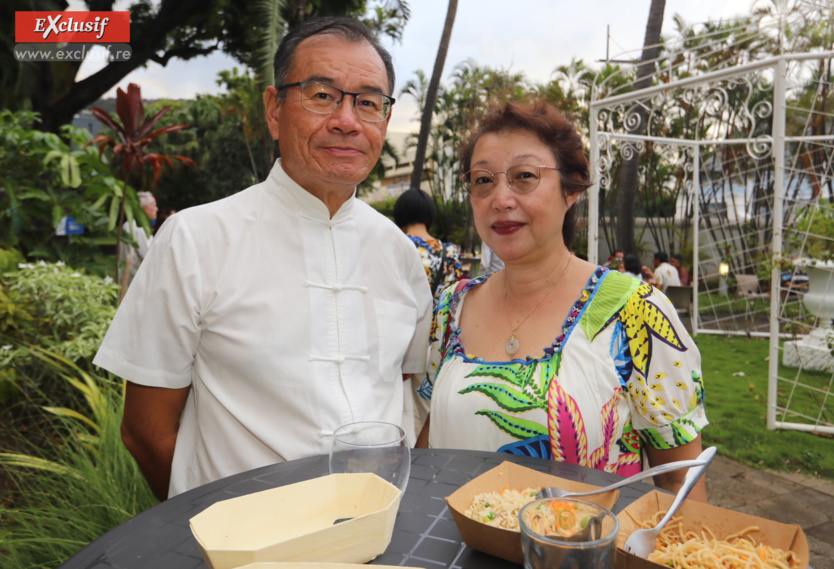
[522,179]
[324,99]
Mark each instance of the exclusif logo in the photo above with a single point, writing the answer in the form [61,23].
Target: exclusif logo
[72,27]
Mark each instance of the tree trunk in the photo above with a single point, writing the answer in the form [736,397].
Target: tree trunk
[62,106]
[431,95]
[627,191]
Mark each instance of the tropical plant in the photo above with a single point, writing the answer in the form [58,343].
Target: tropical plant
[134,132]
[47,178]
[54,307]
[227,139]
[78,482]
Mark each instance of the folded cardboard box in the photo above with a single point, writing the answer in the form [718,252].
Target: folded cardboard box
[501,542]
[697,516]
[297,523]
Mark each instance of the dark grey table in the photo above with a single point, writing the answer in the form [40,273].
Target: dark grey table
[424,533]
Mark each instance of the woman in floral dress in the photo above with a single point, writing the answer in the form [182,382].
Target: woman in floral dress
[552,356]
[414,213]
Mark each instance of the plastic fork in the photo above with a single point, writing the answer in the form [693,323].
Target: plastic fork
[643,541]
[660,469]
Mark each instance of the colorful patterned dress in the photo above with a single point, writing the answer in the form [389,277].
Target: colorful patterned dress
[624,373]
[436,259]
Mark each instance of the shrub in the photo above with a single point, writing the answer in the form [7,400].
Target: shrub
[56,308]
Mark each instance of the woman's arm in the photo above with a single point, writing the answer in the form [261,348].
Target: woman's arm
[672,481]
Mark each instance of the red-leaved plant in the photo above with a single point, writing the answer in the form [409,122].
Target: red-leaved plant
[134,132]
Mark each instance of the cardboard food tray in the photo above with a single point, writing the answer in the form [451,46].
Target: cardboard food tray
[501,542]
[695,516]
[296,523]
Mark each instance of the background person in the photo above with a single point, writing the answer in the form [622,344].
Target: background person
[289,308]
[130,256]
[631,266]
[414,213]
[490,262]
[619,379]
[615,261]
[676,260]
[665,275]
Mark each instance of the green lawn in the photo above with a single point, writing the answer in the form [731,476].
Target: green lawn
[735,378]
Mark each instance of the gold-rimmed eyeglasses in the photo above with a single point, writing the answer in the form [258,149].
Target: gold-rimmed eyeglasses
[522,179]
[324,99]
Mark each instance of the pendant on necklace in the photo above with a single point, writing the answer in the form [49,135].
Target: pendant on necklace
[512,345]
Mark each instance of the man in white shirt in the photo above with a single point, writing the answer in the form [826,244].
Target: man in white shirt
[262,322]
[665,275]
[490,262]
[131,257]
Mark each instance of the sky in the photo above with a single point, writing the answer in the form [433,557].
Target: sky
[533,37]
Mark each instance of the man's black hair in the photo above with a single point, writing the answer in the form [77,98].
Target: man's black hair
[347,28]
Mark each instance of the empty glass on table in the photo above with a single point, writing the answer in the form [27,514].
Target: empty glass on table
[372,446]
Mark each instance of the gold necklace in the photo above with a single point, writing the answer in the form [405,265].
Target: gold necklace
[512,345]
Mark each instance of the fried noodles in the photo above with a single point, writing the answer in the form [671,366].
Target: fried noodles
[689,550]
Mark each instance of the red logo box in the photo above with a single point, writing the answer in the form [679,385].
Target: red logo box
[72,27]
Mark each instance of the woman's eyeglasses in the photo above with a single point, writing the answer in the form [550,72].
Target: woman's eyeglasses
[324,99]
[522,179]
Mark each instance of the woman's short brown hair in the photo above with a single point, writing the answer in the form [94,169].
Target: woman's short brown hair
[555,130]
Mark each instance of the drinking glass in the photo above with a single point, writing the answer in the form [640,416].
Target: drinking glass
[592,546]
[372,446]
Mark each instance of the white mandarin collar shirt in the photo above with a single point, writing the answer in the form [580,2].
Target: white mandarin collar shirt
[284,322]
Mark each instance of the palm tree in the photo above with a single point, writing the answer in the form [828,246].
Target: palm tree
[627,191]
[431,95]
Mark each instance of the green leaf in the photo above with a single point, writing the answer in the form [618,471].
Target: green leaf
[100,201]
[519,374]
[71,173]
[507,398]
[518,428]
[114,213]
[26,461]
[57,215]
[72,414]
[52,155]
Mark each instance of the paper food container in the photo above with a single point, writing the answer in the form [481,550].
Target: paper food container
[296,523]
[501,542]
[695,516]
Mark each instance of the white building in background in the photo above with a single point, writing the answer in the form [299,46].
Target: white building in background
[397,175]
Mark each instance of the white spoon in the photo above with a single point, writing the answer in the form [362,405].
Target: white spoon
[643,541]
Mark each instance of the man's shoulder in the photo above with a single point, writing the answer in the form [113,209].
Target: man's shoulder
[225,206]
[376,221]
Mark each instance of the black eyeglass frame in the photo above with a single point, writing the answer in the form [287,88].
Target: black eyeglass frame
[468,186]
[302,84]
